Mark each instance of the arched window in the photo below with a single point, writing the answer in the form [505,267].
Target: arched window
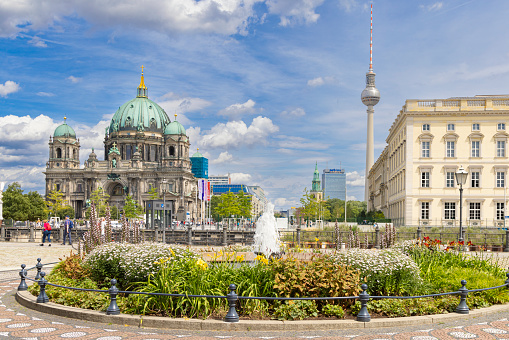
[172,150]
[118,190]
[59,153]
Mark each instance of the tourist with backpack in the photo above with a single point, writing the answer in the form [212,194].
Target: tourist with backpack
[67,229]
[46,233]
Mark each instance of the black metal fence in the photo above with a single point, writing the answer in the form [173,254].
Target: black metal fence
[232,297]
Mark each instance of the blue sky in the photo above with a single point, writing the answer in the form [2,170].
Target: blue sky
[264,87]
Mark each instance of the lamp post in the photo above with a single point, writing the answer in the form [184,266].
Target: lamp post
[163,189]
[461,178]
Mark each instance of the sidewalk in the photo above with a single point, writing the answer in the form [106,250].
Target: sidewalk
[13,254]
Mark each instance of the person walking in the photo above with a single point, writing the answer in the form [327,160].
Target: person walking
[46,233]
[67,229]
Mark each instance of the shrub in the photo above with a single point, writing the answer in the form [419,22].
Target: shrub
[296,310]
[333,310]
[386,272]
[319,277]
[129,263]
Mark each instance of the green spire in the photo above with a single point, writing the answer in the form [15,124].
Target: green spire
[316,180]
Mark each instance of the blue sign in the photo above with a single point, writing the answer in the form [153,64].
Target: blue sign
[162,205]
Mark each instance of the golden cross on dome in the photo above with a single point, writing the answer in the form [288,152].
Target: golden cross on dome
[142,69]
[114,144]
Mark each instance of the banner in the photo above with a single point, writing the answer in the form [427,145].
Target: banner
[207,191]
[200,189]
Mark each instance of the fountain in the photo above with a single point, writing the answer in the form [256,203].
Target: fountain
[266,238]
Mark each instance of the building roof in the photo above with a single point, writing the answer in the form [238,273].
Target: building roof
[64,130]
[197,154]
[139,114]
[175,128]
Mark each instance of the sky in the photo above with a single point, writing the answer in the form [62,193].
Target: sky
[265,88]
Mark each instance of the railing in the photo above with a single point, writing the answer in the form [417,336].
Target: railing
[232,297]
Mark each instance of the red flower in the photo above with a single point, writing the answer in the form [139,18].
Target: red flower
[470,243]
[452,243]
[461,243]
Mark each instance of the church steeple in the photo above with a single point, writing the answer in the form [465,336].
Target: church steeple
[142,89]
[315,187]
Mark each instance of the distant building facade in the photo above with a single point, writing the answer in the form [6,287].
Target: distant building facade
[334,183]
[256,194]
[199,165]
[220,179]
[413,180]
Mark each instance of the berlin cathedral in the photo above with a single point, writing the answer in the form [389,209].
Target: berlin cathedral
[143,149]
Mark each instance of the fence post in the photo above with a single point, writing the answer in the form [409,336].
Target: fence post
[22,274]
[225,235]
[190,234]
[232,298]
[42,298]
[419,232]
[506,248]
[298,235]
[462,307]
[113,307]
[2,231]
[39,267]
[31,228]
[363,315]
[61,232]
[377,237]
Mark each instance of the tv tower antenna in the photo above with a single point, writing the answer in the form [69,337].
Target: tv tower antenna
[370,97]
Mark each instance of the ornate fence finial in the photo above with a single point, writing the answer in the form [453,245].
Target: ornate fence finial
[42,298]
[363,315]
[113,307]
[22,274]
[463,307]
[39,267]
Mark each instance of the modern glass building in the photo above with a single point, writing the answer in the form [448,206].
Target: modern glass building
[334,183]
[218,189]
[199,165]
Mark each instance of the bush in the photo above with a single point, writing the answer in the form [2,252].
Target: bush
[129,263]
[333,310]
[296,310]
[319,277]
[386,272]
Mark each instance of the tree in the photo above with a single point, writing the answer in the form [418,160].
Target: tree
[37,208]
[244,203]
[153,194]
[228,205]
[309,206]
[66,211]
[15,204]
[100,199]
[55,201]
[132,209]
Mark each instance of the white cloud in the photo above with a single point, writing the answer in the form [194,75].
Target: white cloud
[172,16]
[224,157]
[26,129]
[355,179]
[173,103]
[283,203]
[240,178]
[74,79]
[236,111]
[295,11]
[234,134]
[8,88]
[38,42]
[29,177]
[292,142]
[319,81]
[433,7]
[348,5]
[297,112]
[45,94]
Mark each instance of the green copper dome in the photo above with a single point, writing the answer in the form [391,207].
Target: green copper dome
[64,130]
[197,154]
[139,114]
[174,128]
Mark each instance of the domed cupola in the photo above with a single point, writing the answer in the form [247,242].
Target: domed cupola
[139,114]
[65,131]
[175,128]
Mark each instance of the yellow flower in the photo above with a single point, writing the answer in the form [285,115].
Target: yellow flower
[262,259]
[202,264]
[240,258]
[317,239]
[172,252]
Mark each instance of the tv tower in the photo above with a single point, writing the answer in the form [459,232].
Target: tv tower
[370,97]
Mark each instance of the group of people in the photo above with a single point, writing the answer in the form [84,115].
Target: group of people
[68,225]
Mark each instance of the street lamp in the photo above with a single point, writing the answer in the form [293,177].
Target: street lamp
[163,189]
[461,178]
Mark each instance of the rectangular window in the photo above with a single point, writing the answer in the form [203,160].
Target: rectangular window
[475,148]
[500,148]
[475,210]
[450,149]
[450,127]
[475,127]
[450,211]
[425,149]
[80,188]
[500,179]
[425,179]
[501,126]
[424,210]
[425,127]
[128,152]
[500,211]
[449,179]
[475,176]
[58,187]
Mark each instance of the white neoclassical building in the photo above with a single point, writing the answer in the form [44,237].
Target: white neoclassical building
[413,182]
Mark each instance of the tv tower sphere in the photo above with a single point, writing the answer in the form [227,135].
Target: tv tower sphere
[370,95]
